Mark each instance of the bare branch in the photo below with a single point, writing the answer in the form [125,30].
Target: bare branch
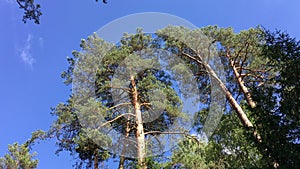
[110,121]
[20,5]
[243,62]
[191,57]
[253,75]
[118,105]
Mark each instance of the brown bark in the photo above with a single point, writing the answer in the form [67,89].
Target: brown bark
[240,81]
[241,114]
[234,104]
[140,136]
[96,161]
[121,162]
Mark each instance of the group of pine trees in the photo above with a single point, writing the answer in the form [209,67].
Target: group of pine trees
[259,127]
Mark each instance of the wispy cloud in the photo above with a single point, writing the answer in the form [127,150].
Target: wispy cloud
[26,55]
[41,41]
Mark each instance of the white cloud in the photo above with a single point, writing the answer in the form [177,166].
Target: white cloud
[26,55]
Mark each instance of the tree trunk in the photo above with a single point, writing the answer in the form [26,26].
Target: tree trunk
[96,161]
[140,136]
[241,114]
[122,157]
[121,163]
[244,89]
[234,104]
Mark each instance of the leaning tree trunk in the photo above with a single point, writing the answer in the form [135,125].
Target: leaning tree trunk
[241,114]
[234,104]
[240,81]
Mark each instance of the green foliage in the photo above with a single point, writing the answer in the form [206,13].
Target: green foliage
[32,11]
[189,154]
[18,157]
[71,136]
[277,116]
[270,63]
[79,124]
[231,145]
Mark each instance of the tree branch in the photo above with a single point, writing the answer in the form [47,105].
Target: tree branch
[191,57]
[116,118]
[121,104]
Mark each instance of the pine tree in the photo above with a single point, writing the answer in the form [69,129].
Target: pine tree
[125,106]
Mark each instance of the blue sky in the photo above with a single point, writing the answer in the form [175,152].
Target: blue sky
[33,56]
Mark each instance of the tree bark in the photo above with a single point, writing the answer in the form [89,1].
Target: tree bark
[241,114]
[240,81]
[234,104]
[96,161]
[140,136]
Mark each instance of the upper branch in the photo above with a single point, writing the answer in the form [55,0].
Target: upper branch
[116,118]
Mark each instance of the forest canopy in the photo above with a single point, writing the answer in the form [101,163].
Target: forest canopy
[250,77]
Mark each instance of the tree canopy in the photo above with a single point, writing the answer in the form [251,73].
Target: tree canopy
[121,87]
[244,138]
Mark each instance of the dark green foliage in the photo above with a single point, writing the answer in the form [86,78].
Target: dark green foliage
[271,67]
[272,61]
[71,137]
[277,116]
[32,11]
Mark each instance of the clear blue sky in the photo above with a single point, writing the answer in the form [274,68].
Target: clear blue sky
[33,56]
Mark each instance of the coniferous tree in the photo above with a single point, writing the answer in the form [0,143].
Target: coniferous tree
[123,107]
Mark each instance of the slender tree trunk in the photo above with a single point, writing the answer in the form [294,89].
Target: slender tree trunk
[122,158]
[241,114]
[96,161]
[234,104]
[140,136]
[249,99]
[240,81]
